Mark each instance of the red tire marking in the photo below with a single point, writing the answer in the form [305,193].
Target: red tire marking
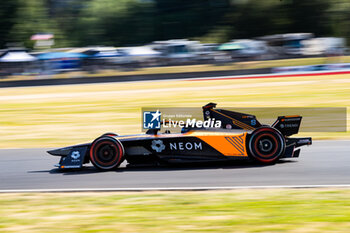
[98,144]
[98,147]
[258,152]
[266,129]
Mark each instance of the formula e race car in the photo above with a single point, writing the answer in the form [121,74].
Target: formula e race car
[240,136]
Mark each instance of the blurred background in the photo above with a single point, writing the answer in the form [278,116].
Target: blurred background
[46,37]
[60,39]
[71,39]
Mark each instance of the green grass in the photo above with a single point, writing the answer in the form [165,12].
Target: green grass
[293,210]
[53,116]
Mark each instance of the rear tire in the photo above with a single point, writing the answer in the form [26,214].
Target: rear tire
[266,145]
[106,153]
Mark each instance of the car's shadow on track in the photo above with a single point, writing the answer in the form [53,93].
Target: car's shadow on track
[168,167]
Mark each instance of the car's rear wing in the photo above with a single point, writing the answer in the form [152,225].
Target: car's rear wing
[288,125]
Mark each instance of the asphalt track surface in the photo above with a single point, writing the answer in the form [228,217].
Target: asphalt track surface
[322,164]
[130,78]
[194,76]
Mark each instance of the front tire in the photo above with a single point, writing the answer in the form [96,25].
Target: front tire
[106,153]
[110,134]
[266,145]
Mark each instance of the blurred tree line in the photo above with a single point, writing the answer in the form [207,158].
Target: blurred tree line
[131,22]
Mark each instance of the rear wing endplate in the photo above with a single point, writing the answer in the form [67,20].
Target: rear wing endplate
[288,125]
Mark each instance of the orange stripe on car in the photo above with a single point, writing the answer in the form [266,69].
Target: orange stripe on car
[227,145]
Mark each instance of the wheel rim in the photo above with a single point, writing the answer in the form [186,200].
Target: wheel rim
[266,145]
[106,153]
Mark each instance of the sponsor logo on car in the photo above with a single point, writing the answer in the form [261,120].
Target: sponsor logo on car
[292,119]
[288,125]
[185,146]
[75,155]
[158,145]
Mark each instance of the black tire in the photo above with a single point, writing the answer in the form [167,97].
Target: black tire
[266,145]
[106,153]
[110,134]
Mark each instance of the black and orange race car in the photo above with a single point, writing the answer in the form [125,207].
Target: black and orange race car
[241,136]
